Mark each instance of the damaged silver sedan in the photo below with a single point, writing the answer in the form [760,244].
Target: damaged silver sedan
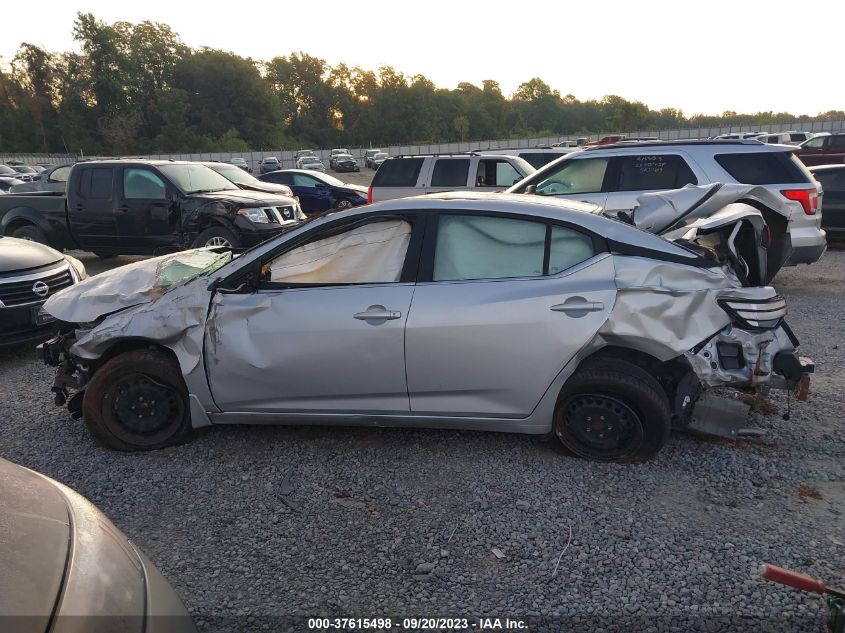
[469,311]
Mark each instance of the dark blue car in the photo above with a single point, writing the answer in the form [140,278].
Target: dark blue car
[317,192]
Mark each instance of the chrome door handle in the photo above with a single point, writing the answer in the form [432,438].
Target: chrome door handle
[377,313]
[578,306]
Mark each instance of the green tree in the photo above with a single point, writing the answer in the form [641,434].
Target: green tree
[461,125]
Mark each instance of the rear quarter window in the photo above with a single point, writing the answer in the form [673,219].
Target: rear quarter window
[764,168]
[398,172]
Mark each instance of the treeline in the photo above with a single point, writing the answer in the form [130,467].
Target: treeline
[137,89]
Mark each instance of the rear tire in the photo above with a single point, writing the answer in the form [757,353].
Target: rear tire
[137,401]
[612,411]
[217,236]
[29,232]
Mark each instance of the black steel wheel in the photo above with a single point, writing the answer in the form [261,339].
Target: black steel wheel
[612,411]
[137,401]
[142,409]
[599,426]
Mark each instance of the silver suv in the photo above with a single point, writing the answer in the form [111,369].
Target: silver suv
[404,176]
[614,176]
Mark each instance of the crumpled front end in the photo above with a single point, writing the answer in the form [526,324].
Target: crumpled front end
[161,302]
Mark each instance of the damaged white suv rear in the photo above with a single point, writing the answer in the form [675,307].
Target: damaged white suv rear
[474,311]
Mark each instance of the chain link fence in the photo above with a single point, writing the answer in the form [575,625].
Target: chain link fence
[287,160]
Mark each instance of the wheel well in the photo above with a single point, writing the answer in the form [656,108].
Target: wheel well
[16,224]
[128,345]
[670,374]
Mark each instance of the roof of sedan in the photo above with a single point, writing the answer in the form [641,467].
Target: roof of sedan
[502,202]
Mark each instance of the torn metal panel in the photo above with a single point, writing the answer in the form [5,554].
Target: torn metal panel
[132,284]
[175,320]
[664,309]
[664,211]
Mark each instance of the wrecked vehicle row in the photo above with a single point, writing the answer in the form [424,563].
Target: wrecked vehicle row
[474,311]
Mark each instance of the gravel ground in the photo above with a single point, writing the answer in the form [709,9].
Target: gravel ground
[252,523]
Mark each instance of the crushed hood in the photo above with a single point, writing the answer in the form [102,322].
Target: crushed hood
[132,285]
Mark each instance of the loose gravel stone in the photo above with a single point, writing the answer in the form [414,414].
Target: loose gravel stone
[281,521]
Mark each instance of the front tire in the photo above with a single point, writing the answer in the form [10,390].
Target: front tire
[137,401]
[612,411]
[217,236]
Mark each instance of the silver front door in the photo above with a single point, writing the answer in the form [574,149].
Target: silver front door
[330,349]
[492,348]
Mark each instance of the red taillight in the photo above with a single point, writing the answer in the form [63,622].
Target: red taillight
[369,195]
[809,199]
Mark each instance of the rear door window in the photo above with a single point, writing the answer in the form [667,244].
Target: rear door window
[763,168]
[398,172]
[96,183]
[652,172]
[450,172]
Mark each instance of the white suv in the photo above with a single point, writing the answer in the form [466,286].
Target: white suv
[614,176]
[404,176]
[785,138]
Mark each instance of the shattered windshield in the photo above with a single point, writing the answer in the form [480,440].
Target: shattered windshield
[184,267]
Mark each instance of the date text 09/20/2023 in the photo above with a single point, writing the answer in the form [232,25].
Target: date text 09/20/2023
[425,624]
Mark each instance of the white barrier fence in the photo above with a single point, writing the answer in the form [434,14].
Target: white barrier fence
[286,157]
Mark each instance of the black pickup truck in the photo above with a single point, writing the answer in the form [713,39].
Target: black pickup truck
[141,207]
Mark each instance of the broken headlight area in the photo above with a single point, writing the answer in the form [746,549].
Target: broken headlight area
[71,374]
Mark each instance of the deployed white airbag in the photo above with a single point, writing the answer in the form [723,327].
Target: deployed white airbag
[371,253]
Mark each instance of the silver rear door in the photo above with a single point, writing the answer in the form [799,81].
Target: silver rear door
[492,347]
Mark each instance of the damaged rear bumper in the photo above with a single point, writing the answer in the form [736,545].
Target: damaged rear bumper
[737,357]
[746,360]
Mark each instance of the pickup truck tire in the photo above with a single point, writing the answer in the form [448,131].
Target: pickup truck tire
[612,411]
[137,401]
[29,232]
[217,236]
